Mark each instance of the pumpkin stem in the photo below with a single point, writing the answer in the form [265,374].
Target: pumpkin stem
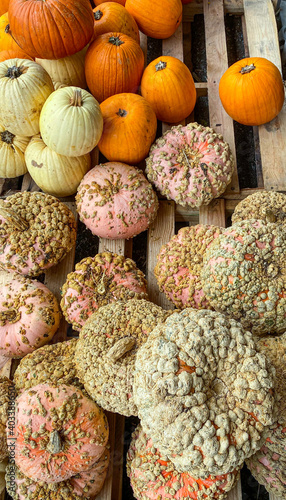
[270,216]
[14,219]
[101,289]
[115,40]
[55,444]
[121,112]
[161,65]
[10,316]
[14,72]
[98,15]
[7,137]
[120,348]
[7,28]
[76,99]
[247,69]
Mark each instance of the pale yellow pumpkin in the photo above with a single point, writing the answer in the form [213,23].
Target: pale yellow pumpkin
[66,71]
[71,121]
[55,174]
[12,148]
[24,87]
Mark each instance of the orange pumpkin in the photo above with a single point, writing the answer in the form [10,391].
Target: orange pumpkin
[52,29]
[99,2]
[112,16]
[4,4]
[12,53]
[168,85]
[252,91]
[6,40]
[156,18]
[129,128]
[114,64]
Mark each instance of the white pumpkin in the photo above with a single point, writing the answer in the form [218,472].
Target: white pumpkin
[68,71]
[71,121]
[24,87]
[55,174]
[12,148]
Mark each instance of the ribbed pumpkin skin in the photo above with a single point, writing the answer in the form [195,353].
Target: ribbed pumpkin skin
[156,18]
[167,84]
[99,2]
[71,121]
[13,53]
[68,71]
[6,40]
[22,97]
[12,148]
[255,97]
[55,174]
[129,128]
[114,64]
[111,16]
[51,29]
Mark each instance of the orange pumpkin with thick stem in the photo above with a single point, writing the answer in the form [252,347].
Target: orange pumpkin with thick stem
[114,64]
[252,91]
[14,53]
[6,40]
[167,84]
[51,29]
[129,128]
[111,16]
[156,18]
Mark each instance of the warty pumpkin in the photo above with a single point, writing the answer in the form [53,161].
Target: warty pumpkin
[12,149]
[168,85]
[6,40]
[14,53]
[252,91]
[156,18]
[24,87]
[52,29]
[67,71]
[111,16]
[114,64]
[55,174]
[71,121]
[7,391]
[129,128]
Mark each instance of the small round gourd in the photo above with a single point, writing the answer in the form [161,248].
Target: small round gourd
[55,174]
[12,149]
[71,122]
[24,87]
[252,91]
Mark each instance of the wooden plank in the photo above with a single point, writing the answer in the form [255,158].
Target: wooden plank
[196,7]
[28,184]
[217,64]
[160,232]
[235,493]
[202,89]
[214,213]
[263,42]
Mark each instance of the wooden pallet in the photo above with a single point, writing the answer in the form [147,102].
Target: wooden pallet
[260,38]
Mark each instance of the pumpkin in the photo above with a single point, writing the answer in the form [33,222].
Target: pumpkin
[269,206]
[156,18]
[114,64]
[52,29]
[36,232]
[167,84]
[115,201]
[29,315]
[268,467]
[99,2]
[162,477]
[71,122]
[244,277]
[179,265]
[24,87]
[14,53]
[4,4]
[190,165]
[68,71]
[97,281]
[7,42]
[112,16]
[7,396]
[129,128]
[203,392]
[106,351]
[252,91]
[12,149]
[65,434]
[55,174]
